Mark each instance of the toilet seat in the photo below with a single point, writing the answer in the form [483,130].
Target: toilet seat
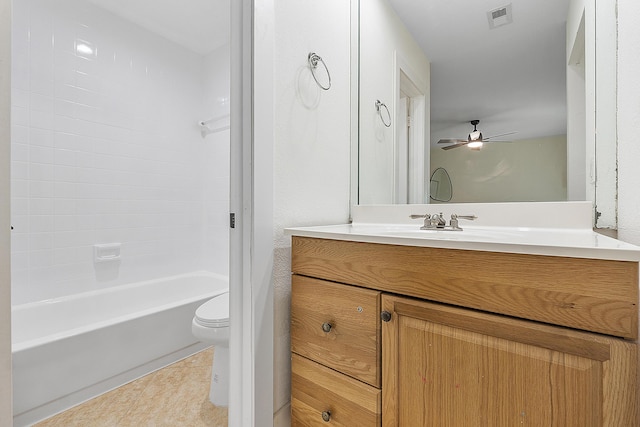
[215,312]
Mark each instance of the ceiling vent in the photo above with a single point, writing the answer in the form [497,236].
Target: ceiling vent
[500,16]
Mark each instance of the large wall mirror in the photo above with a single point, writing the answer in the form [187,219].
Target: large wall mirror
[503,94]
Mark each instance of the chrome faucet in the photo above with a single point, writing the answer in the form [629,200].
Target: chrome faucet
[437,221]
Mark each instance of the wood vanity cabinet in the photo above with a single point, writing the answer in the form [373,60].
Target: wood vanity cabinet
[460,338]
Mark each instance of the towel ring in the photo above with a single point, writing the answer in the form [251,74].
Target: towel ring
[379,110]
[313,59]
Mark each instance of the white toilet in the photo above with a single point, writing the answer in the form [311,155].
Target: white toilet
[211,325]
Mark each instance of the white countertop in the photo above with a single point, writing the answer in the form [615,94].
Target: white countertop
[577,243]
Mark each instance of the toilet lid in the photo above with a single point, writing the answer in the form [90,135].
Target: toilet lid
[214,312]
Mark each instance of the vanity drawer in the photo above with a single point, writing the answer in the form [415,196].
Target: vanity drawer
[318,392]
[338,326]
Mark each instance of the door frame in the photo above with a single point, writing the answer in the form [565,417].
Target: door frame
[418,154]
[251,241]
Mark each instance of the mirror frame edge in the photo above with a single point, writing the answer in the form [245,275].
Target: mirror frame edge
[605,116]
[354,108]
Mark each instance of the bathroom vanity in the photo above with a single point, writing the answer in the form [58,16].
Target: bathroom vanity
[395,329]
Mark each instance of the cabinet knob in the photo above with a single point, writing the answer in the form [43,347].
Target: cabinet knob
[326,416]
[385,316]
[326,327]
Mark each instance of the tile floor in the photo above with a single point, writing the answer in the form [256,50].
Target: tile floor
[175,396]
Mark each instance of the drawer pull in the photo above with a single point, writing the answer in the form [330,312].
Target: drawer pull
[385,316]
[327,327]
[326,416]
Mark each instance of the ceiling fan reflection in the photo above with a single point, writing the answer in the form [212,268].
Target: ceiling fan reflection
[474,140]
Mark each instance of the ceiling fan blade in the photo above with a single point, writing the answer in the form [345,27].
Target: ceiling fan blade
[455,145]
[451,141]
[496,136]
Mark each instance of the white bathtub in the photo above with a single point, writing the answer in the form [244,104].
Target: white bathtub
[70,349]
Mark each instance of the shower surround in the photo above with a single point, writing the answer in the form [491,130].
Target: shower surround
[106,149]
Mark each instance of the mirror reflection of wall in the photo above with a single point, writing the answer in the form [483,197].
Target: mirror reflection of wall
[394,70]
[440,186]
[528,170]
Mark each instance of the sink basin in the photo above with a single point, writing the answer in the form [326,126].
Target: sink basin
[414,232]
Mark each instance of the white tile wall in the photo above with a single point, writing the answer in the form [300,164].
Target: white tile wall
[216,179]
[106,148]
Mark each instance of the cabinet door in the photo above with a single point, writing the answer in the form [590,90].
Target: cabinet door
[447,366]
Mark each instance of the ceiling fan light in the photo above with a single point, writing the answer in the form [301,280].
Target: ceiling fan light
[475,145]
[476,135]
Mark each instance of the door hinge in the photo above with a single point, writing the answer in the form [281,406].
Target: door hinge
[232,220]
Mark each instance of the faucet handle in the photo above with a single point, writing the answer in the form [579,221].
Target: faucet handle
[416,216]
[454,220]
[469,217]
[427,220]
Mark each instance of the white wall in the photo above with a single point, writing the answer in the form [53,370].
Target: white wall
[106,149]
[528,170]
[628,121]
[312,146]
[383,37]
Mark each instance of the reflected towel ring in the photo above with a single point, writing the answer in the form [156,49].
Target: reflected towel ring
[313,59]
[379,110]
